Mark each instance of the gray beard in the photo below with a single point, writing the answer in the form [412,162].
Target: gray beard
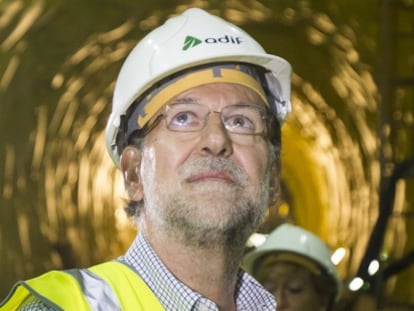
[229,234]
[181,216]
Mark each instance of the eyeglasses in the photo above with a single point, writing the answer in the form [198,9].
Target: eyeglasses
[192,117]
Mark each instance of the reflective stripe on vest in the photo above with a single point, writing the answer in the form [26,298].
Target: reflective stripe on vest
[96,291]
[108,286]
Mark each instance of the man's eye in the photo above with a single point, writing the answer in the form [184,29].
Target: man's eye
[240,122]
[295,289]
[184,118]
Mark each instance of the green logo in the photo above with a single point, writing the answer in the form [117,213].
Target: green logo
[190,42]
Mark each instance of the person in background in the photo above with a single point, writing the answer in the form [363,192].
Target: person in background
[195,131]
[295,265]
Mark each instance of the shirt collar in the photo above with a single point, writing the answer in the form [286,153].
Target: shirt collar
[175,295]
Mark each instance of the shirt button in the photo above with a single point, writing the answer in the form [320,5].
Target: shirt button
[202,307]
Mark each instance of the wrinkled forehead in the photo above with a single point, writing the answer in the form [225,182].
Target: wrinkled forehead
[153,100]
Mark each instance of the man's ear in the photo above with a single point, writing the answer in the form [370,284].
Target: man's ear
[130,166]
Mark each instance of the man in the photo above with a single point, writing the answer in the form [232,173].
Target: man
[295,265]
[195,130]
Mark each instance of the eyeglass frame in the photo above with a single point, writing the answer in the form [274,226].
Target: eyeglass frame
[264,112]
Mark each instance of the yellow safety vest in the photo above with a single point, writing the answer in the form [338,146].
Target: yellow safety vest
[107,286]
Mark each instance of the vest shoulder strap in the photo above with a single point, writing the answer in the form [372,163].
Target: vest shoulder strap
[110,285]
[48,288]
[134,293]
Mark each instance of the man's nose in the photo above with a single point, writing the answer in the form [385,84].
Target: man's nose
[281,299]
[215,139]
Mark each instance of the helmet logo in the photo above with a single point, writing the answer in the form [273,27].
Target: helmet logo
[191,41]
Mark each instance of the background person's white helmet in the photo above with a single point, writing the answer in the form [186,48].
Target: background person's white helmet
[190,39]
[298,243]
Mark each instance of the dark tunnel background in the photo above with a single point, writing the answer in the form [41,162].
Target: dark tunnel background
[347,147]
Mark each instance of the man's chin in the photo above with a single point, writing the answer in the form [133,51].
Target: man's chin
[218,233]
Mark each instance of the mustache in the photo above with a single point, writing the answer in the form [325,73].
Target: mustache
[214,164]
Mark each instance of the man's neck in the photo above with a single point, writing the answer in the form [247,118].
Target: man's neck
[211,271]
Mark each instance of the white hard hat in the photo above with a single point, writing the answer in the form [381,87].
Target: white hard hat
[295,244]
[184,41]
